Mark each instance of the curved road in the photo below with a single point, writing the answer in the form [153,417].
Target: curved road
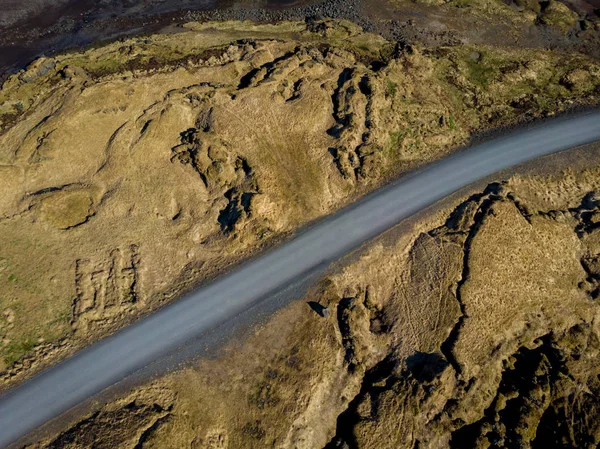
[104,363]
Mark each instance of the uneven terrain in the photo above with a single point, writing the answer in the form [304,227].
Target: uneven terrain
[40,27]
[474,325]
[133,171]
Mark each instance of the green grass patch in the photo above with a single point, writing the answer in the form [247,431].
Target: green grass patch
[396,138]
[13,278]
[451,123]
[14,352]
[480,72]
[391,88]
[62,317]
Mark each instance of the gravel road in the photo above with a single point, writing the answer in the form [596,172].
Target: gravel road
[109,361]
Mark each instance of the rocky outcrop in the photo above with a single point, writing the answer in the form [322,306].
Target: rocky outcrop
[508,372]
[130,421]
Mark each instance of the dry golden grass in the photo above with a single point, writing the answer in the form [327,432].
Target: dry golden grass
[433,331]
[138,169]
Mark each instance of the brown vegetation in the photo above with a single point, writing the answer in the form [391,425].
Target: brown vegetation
[133,171]
[475,326]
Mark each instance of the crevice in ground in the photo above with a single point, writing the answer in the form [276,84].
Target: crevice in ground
[354,154]
[344,437]
[522,398]
[109,146]
[249,78]
[341,117]
[146,434]
[485,208]
[344,309]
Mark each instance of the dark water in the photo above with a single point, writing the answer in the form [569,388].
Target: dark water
[77,23]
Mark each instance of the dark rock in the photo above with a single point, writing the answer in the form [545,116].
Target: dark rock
[319,309]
